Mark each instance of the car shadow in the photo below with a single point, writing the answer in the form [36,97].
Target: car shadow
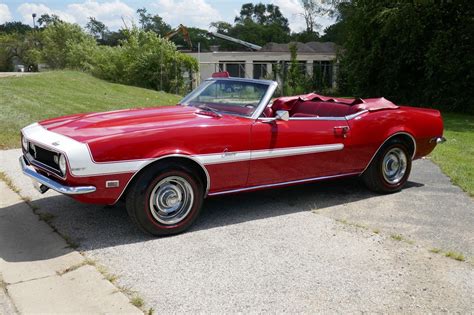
[96,227]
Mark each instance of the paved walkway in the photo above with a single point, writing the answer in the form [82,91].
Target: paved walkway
[15,74]
[41,274]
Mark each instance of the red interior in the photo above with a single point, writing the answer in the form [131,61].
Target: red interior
[301,108]
[314,105]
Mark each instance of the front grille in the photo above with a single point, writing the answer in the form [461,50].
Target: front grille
[48,159]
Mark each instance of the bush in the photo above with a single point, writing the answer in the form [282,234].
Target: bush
[66,45]
[142,58]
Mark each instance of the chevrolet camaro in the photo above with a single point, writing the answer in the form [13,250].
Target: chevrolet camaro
[229,135]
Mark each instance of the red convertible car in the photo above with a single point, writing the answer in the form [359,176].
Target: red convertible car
[227,136]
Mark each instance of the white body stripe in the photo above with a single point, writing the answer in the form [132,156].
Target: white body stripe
[274,153]
[228,157]
[77,153]
[81,162]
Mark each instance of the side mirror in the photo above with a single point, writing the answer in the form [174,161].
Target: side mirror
[282,115]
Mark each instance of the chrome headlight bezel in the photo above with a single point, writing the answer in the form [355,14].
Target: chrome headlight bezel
[62,164]
[24,143]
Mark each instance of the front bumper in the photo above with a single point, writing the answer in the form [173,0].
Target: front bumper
[49,183]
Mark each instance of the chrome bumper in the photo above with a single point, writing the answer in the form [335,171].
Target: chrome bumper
[49,183]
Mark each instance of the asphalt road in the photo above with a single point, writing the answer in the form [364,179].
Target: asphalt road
[302,249]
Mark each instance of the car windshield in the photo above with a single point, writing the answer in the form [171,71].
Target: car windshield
[227,96]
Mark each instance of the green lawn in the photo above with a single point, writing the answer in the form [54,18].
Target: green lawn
[24,100]
[456,156]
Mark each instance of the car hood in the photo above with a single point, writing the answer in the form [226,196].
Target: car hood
[95,126]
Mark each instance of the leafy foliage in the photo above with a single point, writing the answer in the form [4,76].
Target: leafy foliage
[154,23]
[258,24]
[141,58]
[144,59]
[417,52]
[66,45]
[46,19]
[14,27]
[21,46]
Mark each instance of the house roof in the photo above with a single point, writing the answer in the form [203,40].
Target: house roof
[310,47]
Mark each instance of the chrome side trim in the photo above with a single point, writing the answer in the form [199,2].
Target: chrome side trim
[318,118]
[393,135]
[67,190]
[348,117]
[208,178]
[300,181]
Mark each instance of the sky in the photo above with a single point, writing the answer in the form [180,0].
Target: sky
[196,13]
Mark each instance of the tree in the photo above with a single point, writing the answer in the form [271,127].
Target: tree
[97,29]
[416,52]
[312,9]
[267,15]
[153,23]
[22,46]
[258,24]
[14,27]
[46,20]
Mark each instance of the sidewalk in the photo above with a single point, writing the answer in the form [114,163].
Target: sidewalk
[41,274]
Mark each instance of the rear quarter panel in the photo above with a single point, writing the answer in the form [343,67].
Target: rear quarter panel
[370,130]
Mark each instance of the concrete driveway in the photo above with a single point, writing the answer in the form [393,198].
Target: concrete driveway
[316,247]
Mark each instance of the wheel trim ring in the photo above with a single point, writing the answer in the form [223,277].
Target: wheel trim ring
[171,200]
[394,166]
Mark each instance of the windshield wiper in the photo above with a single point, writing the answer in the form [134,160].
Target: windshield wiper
[209,109]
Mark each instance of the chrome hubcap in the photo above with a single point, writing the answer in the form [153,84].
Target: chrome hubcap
[394,165]
[171,200]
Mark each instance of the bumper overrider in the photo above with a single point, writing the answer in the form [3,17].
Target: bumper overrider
[45,183]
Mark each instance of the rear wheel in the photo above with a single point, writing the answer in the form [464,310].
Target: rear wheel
[389,170]
[165,200]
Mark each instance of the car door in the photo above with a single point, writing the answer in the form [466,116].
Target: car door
[297,149]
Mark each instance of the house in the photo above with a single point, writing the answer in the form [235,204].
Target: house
[317,60]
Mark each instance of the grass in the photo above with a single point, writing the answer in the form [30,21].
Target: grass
[455,255]
[7,180]
[46,217]
[456,156]
[435,250]
[137,301]
[24,100]
[85,262]
[450,254]
[401,238]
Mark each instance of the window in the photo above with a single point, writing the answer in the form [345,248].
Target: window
[228,96]
[260,70]
[323,73]
[235,68]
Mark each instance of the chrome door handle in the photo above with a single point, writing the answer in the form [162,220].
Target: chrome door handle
[341,131]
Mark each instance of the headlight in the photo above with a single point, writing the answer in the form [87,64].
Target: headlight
[24,143]
[62,164]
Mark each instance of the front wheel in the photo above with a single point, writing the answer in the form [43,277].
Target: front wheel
[165,200]
[389,170]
